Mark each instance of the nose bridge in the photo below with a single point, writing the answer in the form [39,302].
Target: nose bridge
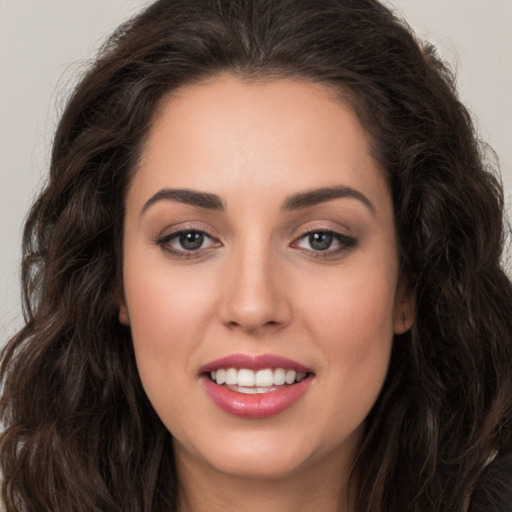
[253,295]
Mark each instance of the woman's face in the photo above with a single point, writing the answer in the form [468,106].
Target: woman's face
[260,245]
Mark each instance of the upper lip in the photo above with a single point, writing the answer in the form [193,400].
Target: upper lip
[254,363]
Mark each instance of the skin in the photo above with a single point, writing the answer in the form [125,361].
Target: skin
[257,285]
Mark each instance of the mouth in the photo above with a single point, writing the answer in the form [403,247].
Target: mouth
[255,387]
[250,382]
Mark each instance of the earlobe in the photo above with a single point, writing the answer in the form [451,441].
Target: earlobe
[405,312]
[120,302]
[123,314]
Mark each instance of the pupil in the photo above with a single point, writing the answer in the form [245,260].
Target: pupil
[191,241]
[320,241]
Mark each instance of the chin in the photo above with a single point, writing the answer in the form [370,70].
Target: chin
[251,458]
[262,466]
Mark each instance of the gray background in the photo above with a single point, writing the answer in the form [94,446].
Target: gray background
[45,44]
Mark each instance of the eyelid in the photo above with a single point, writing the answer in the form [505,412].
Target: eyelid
[346,242]
[164,240]
[184,227]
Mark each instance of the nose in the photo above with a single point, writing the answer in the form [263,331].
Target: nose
[254,293]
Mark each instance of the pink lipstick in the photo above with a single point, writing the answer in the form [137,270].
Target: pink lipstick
[255,386]
[254,363]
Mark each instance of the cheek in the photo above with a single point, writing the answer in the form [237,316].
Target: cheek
[356,336]
[357,304]
[167,311]
[352,321]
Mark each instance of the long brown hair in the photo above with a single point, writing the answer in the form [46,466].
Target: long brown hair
[79,433]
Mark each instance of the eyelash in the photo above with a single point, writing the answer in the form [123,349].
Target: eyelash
[345,243]
[164,242]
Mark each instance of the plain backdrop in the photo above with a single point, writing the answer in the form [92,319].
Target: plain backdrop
[44,45]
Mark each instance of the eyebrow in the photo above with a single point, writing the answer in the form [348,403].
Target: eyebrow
[296,201]
[187,196]
[320,195]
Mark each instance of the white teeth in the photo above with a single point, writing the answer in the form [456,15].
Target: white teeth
[252,390]
[256,382]
[247,391]
[220,376]
[266,390]
[264,377]
[290,376]
[245,377]
[279,377]
[231,376]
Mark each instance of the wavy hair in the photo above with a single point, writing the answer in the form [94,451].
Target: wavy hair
[79,433]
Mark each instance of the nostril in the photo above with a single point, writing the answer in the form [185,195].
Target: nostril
[253,326]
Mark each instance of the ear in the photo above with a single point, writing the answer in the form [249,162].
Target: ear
[405,310]
[123,314]
[120,302]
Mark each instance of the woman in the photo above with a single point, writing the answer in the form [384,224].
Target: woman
[264,275]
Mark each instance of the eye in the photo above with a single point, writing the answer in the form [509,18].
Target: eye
[324,241]
[191,241]
[186,243]
[320,241]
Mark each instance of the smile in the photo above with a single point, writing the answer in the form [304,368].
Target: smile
[248,381]
[255,387]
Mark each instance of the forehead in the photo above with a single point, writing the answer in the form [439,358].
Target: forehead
[228,136]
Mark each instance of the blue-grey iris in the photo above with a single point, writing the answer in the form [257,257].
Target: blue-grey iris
[320,241]
[191,241]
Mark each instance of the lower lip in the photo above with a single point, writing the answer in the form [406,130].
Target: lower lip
[261,405]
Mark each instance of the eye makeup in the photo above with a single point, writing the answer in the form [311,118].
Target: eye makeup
[324,243]
[187,243]
[317,242]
